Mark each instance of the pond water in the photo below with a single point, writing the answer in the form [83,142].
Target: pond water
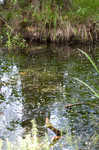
[33,87]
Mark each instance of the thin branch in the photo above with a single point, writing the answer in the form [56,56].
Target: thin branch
[71,105]
[50,126]
[56,131]
[8,26]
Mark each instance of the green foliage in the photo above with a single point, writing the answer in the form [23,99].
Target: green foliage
[48,15]
[13,2]
[1,39]
[52,15]
[54,12]
[15,41]
[83,9]
[9,43]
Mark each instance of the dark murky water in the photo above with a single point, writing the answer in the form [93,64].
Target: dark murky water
[33,86]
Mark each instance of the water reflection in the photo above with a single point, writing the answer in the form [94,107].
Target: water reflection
[10,101]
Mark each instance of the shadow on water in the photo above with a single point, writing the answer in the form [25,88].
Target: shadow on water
[33,86]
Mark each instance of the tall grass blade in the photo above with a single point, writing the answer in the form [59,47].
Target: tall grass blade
[91,89]
[89,58]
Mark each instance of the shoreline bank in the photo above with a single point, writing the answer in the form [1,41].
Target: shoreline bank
[70,34]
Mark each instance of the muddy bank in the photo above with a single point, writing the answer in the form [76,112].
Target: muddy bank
[72,34]
[66,33]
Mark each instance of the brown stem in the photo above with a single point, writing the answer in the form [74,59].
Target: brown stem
[50,126]
[56,131]
[71,105]
[5,22]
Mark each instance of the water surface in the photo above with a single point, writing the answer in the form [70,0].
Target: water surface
[32,87]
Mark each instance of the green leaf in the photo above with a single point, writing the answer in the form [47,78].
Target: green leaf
[89,58]
[91,89]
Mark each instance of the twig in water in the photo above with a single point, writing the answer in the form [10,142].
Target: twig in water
[56,131]
[71,105]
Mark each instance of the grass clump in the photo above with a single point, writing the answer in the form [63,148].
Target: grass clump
[48,16]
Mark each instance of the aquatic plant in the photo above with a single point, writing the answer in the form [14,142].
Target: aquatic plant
[91,61]
[97,70]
